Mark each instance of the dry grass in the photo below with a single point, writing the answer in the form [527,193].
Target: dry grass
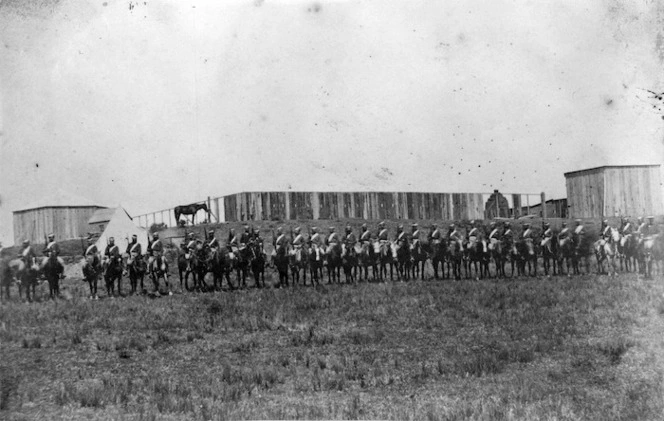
[581,348]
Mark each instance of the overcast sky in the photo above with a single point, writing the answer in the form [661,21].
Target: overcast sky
[155,104]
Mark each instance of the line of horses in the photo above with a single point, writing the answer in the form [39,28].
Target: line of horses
[206,269]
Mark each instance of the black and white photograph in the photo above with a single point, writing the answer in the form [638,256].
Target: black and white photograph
[331,209]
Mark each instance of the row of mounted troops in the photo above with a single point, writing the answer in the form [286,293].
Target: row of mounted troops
[469,247]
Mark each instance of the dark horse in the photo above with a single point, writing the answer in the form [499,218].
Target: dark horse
[437,253]
[299,260]
[349,262]
[316,257]
[137,266]
[366,258]
[280,259]
[91,273]
[549,254]
[53,270]
[257,263]
[419,259]
[112,272]
[191,209]
[220,265]
[401,249]
[333,260]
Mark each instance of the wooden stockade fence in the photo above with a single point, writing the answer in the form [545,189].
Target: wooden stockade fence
[274,206]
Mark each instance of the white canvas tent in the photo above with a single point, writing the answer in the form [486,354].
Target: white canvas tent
[121,227]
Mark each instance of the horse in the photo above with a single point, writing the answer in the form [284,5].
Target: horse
[241,263]
[316,261]
[607,250]
[298,260]
[566,252]
[112,269]
[365,258]
[6,275]
[91,272]
[528,256]
[349,261]
[455,254]
[191,209]
[198,267]
[628,252]
[549,249]
[401,250]
[158,268]
[333,262]
[476,252]
[280,260]
[184,268]
[498,252]
[53,270]
[652,251]
[136,269]
[257,263]
[582,251]
[383,249]
[437,252]
[418,259]
[220,265]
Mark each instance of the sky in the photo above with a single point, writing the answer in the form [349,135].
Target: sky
[150,105]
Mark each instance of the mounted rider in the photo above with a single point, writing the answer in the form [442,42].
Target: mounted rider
[27,254]
[564,233]
[365,236]
[606,230]
[494,235]
[547,236]
[473,235]
[382,233]
[245,238]
[233,241]
[642,227]
[652,228]
[316,240]
[454,235]
[579,234]
[53,249]
[134,249]
[156,253]
[349,238]
[213,243]
[193,243]
[508,236]
[626,227]
[435,236]
[298,242]
[257,238]
[280,241]
[332,238]
[401,236]
[414,236]
[112,252]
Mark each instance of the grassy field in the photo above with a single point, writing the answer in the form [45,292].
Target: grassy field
[538,348]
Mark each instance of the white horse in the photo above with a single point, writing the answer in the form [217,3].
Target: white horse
[606,250]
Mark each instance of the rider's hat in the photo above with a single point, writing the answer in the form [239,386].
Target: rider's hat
[51,236]
[605,222]
[192,235]
[414,225]
[526,225]
[400,226]
[279,229]
[111,238]
[332,229]
[364,225]
[507,224]
[381,224]
[546,224]
[472,222]
[451,225]
[578,221]
[492,224]
[650,217]
[211,232]
[348,228]
[246,227]
[297,230]
[26,242]
[564,224]
[434,225]
[134,236]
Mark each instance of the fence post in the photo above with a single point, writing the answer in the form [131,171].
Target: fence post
[544,212]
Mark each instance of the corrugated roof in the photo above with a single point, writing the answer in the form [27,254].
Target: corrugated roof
[610,166]
[59,198]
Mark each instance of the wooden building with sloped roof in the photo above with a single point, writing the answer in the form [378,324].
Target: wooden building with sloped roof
[616,190]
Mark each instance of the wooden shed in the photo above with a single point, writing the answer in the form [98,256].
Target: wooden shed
[63,214]
[619,190]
